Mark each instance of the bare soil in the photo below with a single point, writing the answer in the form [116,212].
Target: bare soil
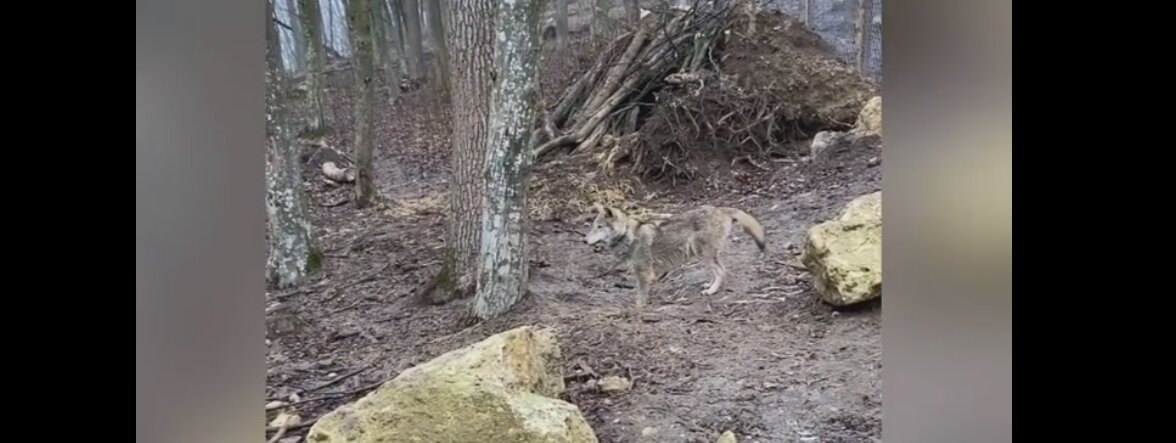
[768,360]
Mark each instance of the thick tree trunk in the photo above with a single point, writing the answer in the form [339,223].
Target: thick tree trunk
[291,252]
[312,26]
[502,270]
[471,47]
[359,16]
[561,23]
[437,37]
[415,53]
[864,22]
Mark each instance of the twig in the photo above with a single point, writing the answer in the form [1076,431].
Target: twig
[329,395]
[339,378]
[309,423]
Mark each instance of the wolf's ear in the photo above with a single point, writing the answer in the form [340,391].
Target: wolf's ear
[602,210]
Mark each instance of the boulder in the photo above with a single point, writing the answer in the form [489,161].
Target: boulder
[869,120]
[844,255]
[501,389]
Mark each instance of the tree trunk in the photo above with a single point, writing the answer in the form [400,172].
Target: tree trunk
[437,37]
[502,270]
[312,25]
[471,59]
[291,252]
[389,47]
[864,22]
[561,23]
[415,53]
[808,13]
[298,36]
[359,17]
[600,18]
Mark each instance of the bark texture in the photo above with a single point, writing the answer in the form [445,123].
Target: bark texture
[359,17]
[471,44]
[502,269]
[290,247]
[312,26]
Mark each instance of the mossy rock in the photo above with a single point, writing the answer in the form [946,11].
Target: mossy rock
[844,255]
[501,389]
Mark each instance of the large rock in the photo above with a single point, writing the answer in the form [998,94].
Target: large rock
[502,389]
[844,255]
[869,120]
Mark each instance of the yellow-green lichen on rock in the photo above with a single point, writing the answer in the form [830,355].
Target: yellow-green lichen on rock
[844,255]
[501,389]
[870,118]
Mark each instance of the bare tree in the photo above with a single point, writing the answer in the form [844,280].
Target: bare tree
[471,61]
[415,51]
[297,35]
[561,23]
[312,25]
[359,17]
[808,13]
[433,9]
[600,17]
[502,269]
[291,251]
[388,44]
[863,23]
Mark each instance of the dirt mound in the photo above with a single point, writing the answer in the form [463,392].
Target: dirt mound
[775,83]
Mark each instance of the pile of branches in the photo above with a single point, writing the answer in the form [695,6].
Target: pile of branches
[604,102]
[708,83]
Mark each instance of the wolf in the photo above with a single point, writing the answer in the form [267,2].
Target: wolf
[653,249]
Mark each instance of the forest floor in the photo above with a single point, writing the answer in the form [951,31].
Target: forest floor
[769,361]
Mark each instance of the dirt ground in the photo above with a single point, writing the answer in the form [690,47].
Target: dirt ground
[769,361]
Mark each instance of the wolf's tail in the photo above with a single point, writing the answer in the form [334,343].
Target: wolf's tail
[750,225]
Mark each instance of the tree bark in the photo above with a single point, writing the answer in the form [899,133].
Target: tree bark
[471,59]
[359,17]
[561,23]
[502,270]
[865,16]
[437,37]
[291,252]
[312,26]
[411,11]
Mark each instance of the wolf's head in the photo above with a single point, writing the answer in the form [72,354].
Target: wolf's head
[609,228]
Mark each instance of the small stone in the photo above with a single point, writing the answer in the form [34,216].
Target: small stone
[614,384]
[727,437]
[648,432]
[275,404]
[873,161]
